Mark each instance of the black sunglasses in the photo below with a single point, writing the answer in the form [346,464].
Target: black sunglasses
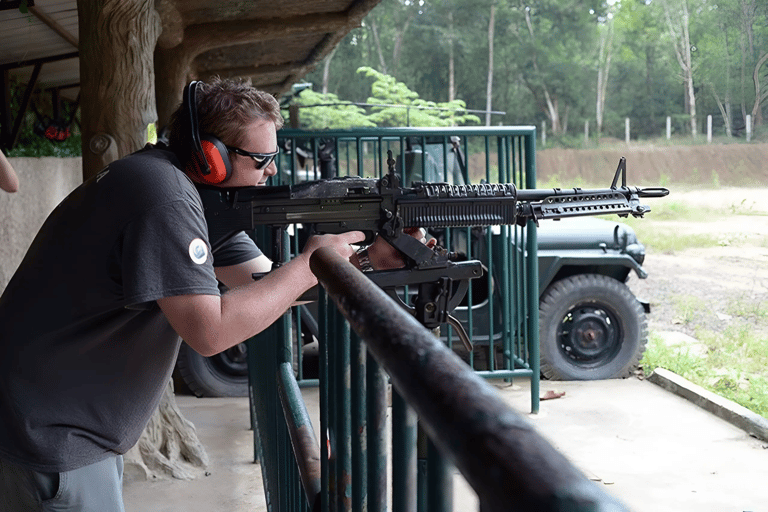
[262,159]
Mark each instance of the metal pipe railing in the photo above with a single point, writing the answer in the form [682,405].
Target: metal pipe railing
[509,465]
[305,448]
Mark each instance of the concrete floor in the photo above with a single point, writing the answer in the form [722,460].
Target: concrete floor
[651,449]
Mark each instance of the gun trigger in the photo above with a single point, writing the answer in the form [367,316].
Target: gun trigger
[454,322]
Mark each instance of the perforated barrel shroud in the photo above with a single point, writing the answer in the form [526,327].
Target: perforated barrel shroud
[459,205]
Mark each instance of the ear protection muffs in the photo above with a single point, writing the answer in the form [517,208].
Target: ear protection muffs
[209,160]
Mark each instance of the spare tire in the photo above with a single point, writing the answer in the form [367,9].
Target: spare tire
[591,327]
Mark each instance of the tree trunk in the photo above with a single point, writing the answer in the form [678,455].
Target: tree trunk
[168,447]
[603,68]
[761,90]
[377,45]
[678,25]
[327,70]
[398,46]
[116,78]
[489,87]
[451,72]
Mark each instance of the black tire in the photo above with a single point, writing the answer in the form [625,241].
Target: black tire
[591,328]
[224,374]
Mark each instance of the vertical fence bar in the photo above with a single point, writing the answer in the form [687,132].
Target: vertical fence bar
[403,455]
[439,480]
[532,272]
[326,481]
[359,430]
[376,391]
[343,414]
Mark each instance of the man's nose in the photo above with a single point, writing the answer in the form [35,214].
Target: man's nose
[271,169]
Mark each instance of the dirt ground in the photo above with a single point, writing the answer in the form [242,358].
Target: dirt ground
[734,271]
[729,183]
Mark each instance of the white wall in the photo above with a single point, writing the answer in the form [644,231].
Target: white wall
[43,183]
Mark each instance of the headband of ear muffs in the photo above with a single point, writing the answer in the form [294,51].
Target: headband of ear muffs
[210,159]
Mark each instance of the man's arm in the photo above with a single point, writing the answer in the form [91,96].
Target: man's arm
[211,324]
[8,179]
[242,273]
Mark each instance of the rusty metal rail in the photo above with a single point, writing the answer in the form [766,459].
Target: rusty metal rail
[305,449]
[509,465]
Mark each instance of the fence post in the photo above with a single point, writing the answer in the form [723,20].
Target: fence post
[626,130]
[669,127]
[543,133]
[709,129]
[586,131]
[749,127]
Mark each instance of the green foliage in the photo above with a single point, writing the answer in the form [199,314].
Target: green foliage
[329,112]
[30,143]
[394,104]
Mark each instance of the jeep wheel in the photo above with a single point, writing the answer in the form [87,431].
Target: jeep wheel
[591,327]
[225,374]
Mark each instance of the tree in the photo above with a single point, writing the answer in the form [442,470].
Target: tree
[394,104]
[555,39]
[678,20]
[327,111]
[605,53]
[489,87]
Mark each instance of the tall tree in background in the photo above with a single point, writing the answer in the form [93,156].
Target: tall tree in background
[760,73]
[605,53]
[489,86]
[555,40]
[678,22]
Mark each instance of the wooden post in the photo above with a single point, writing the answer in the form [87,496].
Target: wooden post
[626,130]
[543,133]
[709,129]
[749,127]
[669,127]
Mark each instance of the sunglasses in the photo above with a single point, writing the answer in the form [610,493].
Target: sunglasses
[262,159]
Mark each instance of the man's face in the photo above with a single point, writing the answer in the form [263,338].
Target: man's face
[260,137]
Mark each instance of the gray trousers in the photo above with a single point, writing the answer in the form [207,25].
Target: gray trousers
[94,488]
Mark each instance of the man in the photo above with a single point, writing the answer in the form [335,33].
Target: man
[121,268]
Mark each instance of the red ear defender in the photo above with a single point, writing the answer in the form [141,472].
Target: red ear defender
[217,157]
[209,160]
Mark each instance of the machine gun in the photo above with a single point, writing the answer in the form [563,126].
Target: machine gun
[381,207]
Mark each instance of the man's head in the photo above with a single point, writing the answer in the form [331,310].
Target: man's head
[241,117]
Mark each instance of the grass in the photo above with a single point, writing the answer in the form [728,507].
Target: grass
[732,362]
[730,357]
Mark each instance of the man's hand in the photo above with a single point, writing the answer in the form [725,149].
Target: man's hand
[384,257]
[340,243]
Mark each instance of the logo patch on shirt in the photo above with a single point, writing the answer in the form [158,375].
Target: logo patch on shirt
[198,251]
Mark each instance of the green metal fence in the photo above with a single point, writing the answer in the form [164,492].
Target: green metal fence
[499,306]
[500,315]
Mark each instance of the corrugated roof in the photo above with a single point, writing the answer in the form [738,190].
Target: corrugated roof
[297,34]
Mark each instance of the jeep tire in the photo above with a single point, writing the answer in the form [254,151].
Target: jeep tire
[591,328]
[224,374]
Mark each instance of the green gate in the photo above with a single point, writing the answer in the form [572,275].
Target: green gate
[348,469]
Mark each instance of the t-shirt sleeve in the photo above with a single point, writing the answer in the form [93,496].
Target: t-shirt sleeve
[238,249]
[165,252]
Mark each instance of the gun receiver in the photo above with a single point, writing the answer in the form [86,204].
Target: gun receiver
[381,207]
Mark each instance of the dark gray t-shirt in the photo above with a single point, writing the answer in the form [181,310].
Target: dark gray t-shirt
[85,352]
